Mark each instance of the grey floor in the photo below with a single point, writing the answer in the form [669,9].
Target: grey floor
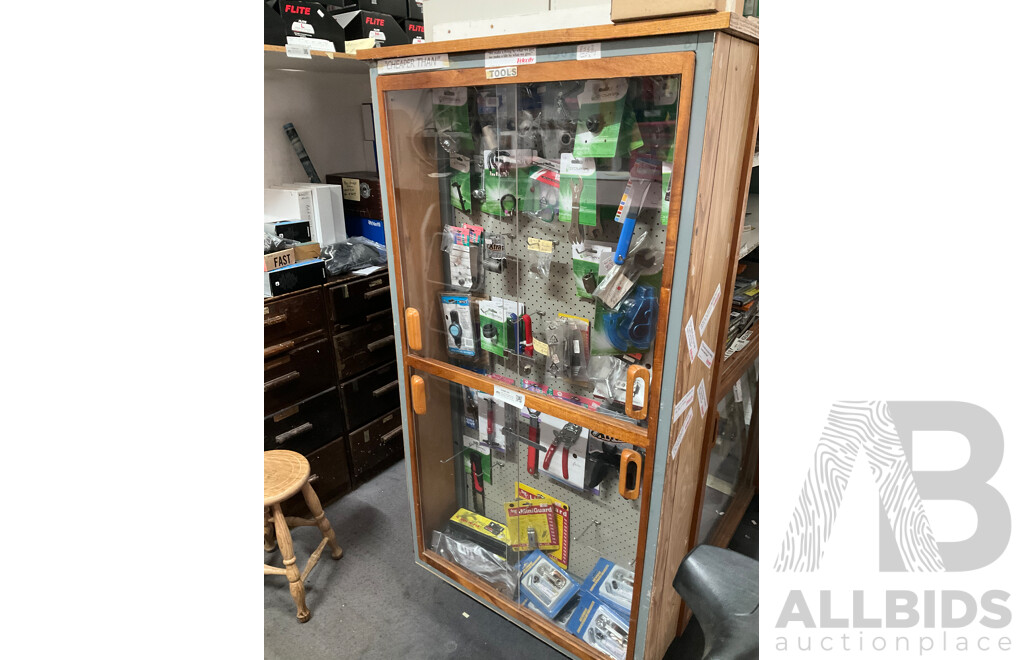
[375,602]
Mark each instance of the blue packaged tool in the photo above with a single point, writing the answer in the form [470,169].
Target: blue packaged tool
[632,325]
[545,584]
[613,584]
[597,624]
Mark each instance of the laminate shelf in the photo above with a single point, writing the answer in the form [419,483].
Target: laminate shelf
[751,237]
[274,57]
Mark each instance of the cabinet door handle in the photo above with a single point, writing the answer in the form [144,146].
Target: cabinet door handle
[412,329]
[288,435]
[280,380]
[278,348]
[377,315]
[381,390]
[629,457]
[390,434]
[376,292]
[419,395]
[631,376]
[372,346]
[274,320]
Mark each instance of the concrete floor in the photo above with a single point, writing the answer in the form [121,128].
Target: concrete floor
[375,602]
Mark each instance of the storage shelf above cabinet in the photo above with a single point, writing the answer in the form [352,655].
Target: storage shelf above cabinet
[737,364]
[751,237]
[274,57]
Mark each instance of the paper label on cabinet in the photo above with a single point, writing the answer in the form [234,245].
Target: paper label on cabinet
[702,398]
[539,245]
[417,63]
[711,308]
[450,96]
[580,166]
[588,52]
[691,339]
[502,72]
[682,432]
[517,399]
[510,57]
[350,189]
[737,392]
[706,355]
[682,405]
[301,52]
[603,91]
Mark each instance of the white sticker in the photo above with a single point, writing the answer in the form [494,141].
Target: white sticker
[453,96]
[638,392]
[301,52]
[682,432]
[711,308]
[702,398]
[691,339]
[417,63]
[603,91]
[706,355]
[588,52]
[502,72]
[510,57]
[517,399]
[580,166]
[737,392]
[682,405]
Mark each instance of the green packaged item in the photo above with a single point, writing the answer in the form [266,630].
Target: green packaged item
[576,170]
[590,264]
[451,119]
[605,129]
[485,459]
[666,186]
[496,187]
[493,327]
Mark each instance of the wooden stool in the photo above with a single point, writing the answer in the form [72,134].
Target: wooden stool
[284,474]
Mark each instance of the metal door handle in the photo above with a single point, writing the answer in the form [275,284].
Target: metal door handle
[278,348]
[288,435]
[390,434]
[274,320]
[376,292]
[381,390]
[280,380]
[372,346]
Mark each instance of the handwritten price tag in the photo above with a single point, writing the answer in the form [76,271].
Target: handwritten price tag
[588,52]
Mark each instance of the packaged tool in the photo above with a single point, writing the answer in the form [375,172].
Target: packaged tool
[613,584]
[531,525]
[605,128]
[457,313]
[492,423]
[600,626]
[577,194]
[561,554]
[575,335]
[464,247]
[538,257]
[560,619]
[545,584]
[485,532]
[590,264]
[630,327]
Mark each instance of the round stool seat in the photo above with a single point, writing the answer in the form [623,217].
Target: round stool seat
[284,473]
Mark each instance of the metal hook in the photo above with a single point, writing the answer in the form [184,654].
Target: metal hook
[449,459]
[595,524]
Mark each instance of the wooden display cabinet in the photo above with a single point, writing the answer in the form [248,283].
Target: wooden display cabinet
[682,94]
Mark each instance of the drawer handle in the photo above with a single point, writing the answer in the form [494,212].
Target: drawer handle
[376,292]
[381,390]
[390,434]
[298,430]
[274,320]
[383,312]
[280,380]
[372,346]
[278,348]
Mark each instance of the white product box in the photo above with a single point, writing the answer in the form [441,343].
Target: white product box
[328,215]
[281,204]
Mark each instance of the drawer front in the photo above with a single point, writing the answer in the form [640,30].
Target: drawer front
[364,347]
[377,442]
[328,474]
[305,426]
[369,396]
[296,375]
[285,320]
[360,301]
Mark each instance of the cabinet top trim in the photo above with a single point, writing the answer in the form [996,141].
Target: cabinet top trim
[739,26]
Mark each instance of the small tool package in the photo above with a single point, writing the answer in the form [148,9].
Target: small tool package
[464,248]
[531,525]
[600,626]
[562,618]
[591,263]
[458,312]
[496,421]
[613,584]
[545,584]
[606,127]
[559,555]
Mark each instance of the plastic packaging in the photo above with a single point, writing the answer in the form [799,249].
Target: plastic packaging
[272,243]
[352,254]
[491,568]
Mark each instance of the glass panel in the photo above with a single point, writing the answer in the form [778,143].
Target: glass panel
[546,528]
[726,460]
[532,227]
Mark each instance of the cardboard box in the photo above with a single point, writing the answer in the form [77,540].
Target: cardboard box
[310,24]
[630,10]
[279,259]
[360,193]
[397,8]
[370,24]
[415,8]
[415,30]
[301,275]
[612,584]
[583,616]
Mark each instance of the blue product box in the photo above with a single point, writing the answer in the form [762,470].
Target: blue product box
[562,617]
[366,227]
[545,584]
[613,584]
[598,625]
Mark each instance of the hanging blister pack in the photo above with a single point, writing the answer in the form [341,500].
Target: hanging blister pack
[457,312]
[575,332]
[463,246]
[539,254]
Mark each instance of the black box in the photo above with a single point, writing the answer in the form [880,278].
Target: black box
[295,230]
[311,19]
[273,27]
[415,30]
[415,9]
[396,8]
[366,24]
[364,184]
[292,278]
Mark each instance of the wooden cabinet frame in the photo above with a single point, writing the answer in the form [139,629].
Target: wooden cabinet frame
[715,137]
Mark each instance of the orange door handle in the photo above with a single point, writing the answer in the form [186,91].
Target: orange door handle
[412,329]
[629,457]
[632,373]
[419,395]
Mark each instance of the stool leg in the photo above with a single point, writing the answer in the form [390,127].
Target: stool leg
[313,502]
[269,542]
[284,540]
